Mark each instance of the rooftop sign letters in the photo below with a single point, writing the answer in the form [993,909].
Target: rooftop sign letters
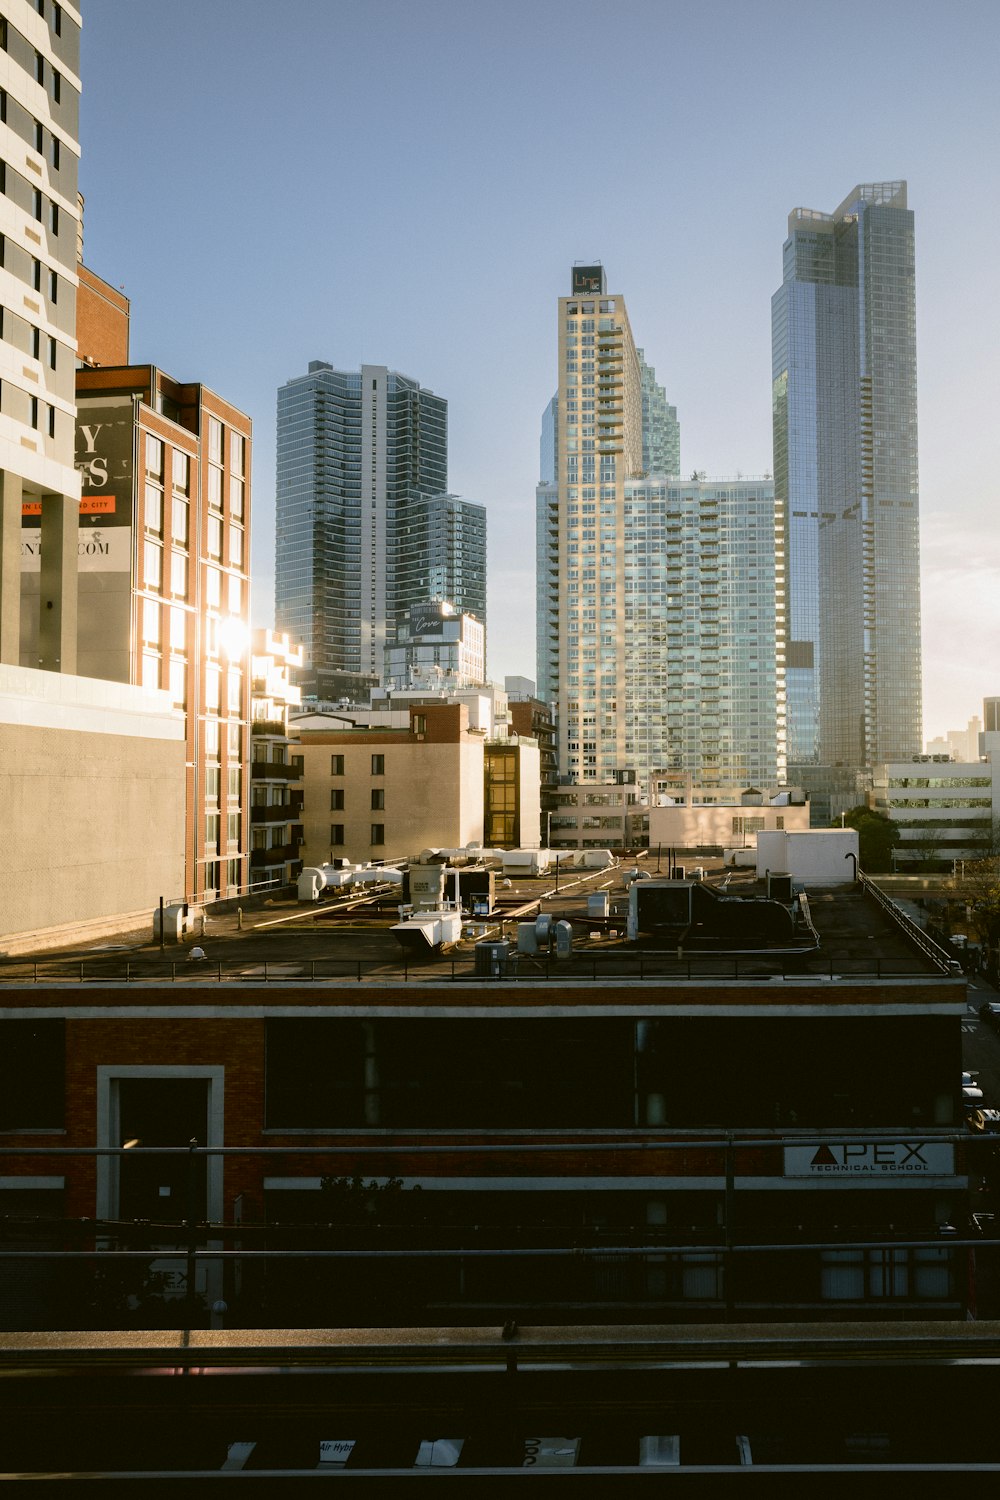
[870,1159]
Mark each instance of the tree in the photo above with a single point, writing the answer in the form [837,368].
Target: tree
[979,888]
[877,837]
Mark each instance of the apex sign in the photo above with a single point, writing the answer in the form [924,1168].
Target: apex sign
[870,1159]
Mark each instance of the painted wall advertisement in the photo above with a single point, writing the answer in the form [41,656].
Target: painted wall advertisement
[104,437]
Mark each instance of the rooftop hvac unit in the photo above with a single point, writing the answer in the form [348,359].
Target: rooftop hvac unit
[491,959]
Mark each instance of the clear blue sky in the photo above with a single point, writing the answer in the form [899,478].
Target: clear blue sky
[408,181]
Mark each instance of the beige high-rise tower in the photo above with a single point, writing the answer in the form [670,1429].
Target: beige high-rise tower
[598,446]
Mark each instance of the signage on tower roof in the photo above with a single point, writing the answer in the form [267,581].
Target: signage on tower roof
[588,281]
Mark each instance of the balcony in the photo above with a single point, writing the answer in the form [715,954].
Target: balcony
[270,770]
[278,854]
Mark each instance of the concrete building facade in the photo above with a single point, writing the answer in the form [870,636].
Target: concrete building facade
[39,217]
[379,793]
[92,779]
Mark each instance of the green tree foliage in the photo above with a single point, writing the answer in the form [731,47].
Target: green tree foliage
[877,837]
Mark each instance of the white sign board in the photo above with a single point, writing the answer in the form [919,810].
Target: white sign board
[914,1158]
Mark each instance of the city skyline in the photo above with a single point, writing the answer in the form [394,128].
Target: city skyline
[704,193]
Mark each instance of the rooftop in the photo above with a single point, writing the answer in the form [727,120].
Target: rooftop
[336,945]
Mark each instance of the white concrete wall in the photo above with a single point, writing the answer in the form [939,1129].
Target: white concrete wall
[92,779]
[817,857]
[693,827]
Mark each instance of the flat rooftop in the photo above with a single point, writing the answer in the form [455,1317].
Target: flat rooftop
[347,939]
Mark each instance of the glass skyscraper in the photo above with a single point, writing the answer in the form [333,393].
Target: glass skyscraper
[845,475]
[365,528]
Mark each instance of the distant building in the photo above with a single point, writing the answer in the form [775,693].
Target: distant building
[661,431]
[386,793]
[845,472]
[725,824]
[660,603]
[944,809]
[276,832]
[959,744]
[703,676]
[511,793]
[365,526]
[437,649]
[602,815]
[532,719]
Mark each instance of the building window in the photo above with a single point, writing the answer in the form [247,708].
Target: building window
[178,629]
[151,621]
[153,513]
[32,1075]
[181,472]
[378,833]
[378,799]
[154,457]
[378,765]
[53,287]
[39,68]
[336,833]
[336,765]
[52,349]
[56,86]
[337,799]
[55,153]
[237,453]
[178,681]
[180,523]
[52,421]
[33,409]
[215,440]
[57,19]
[36,343]
[179,574]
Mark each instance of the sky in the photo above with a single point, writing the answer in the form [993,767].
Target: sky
[408,182]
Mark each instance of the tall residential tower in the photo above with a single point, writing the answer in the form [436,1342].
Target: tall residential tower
[845,469]
[365,527]
[659,604]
